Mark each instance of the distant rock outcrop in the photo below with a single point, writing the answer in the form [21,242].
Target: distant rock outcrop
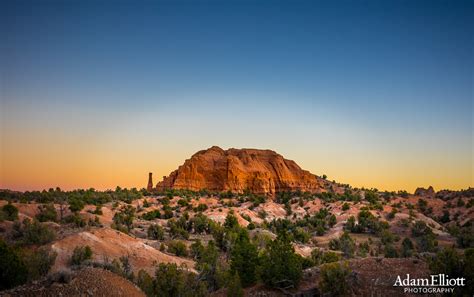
[425,192]
[150,182]
[238,170]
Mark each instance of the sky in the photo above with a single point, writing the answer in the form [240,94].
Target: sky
[370,93]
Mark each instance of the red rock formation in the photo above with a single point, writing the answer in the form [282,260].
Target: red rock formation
[150,182]
[237,170]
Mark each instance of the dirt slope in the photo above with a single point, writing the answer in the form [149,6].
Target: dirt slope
[108,244]
[86,282]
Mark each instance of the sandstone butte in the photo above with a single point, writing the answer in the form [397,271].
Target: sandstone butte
[240,170]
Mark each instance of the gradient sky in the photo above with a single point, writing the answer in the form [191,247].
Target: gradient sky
[97,94]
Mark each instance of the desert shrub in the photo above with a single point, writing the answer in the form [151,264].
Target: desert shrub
[124,218]
[447,261]
[320,257]
[367,223]
[63,276]
[244,259]
[210,269]
[178,229]
[197,249]
[201,207]
[334,279]
[345,206]
[29,233]
[427,243]
[344,243]
[39,262]
[81,254]
[445,217]
[450,262]
[76,204]
[422,205]
[171,281]
[151,215]
[178,248]
[407,248]
[387,237]
[156,232]
[13,271]
[231,221]
[350,224]
[363,249]
[469,269]
[126,268]
[10,212]
[390,251]
[76,220]
[183,202]
[465,237]
[371,196]
[47,213]
[234,286]
[98,210]
[280,265]
[95,222]
[470,203]
[300,235]
[145,282]
[425,237]
[251,226]
[200,224]
[392,214]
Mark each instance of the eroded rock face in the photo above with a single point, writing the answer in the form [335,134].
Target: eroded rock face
[238,170]
[425,192]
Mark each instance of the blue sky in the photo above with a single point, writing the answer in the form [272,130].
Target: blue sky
[375,93]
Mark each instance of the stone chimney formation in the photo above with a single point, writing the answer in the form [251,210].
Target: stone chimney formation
[149,188]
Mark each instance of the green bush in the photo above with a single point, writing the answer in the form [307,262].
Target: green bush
[29,233]
[145,282]
[344,243]
[178,229]
[47,213]
[123,219]
[81,254]
[320,257]
[10,212]
[345,206]
[280,265]
[13,271]
[390,251]
[407,248]
[244,259]
[39,262]
[171,281]
[425,237]
[334,279]
[178,248]
[234,287]
[76,220]
[420,228]
[155,232]
[151,215]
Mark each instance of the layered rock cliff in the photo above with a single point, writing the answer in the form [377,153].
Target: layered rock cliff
[238,170]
